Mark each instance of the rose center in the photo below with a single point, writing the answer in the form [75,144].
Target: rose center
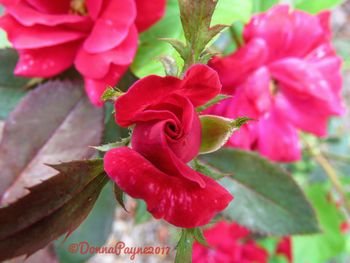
[273,87]
[78,7]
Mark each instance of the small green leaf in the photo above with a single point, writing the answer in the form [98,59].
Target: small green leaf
[184,247]
[315,7]
[110,146]
[267,200]
[212,102]
[119,196]
[169,65]
[111,94]
[178,45]
[196,16]
[199,236]
[208,170]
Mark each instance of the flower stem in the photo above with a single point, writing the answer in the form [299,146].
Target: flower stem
[332,176]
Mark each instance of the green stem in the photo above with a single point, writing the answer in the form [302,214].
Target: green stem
[332,176]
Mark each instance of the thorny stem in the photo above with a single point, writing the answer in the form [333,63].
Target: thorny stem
[332,176]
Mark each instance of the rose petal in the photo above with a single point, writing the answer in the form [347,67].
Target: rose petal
[46,62]
[51,7]
[176,200]
[148,13]
[150,140]
[37,36]
[96,65]
[96,87]
[200,84]
[307,114]
[234,69]
[284,31]
[142,95]
[278,140]
[27,16]
[94,8]
[112,27]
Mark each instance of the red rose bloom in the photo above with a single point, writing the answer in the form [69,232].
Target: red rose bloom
[167,135]
[287,76]
[229,243]
[284,248]
[98,36]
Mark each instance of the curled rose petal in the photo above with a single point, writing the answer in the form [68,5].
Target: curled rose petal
[176,200]
[148,13]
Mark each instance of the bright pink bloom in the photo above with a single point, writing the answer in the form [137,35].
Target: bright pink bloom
[166,136]
[228,243]
[284,247]
[287,76]
[98,36]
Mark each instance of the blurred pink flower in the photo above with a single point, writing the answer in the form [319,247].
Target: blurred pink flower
[286,76]
[98,36]
[228,243]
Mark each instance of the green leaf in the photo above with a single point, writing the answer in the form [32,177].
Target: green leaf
[95,229]
[11,87]
[263,5]
[196,17]
[110,146]
[33,136]
[328,244]
[210,103]
[119,196]
[267,200]
[230,11]
[111,94]
[199,236]
[151,46]
[52,208]
[316,6]
[184,247]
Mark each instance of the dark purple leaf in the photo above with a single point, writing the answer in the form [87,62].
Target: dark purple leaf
[53,123]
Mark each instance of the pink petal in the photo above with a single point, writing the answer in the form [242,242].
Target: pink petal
[112,27]
[278,140]
[96,65]
[284,31]
[234,69]
[148,13]
[301,78]
[94,8]
[51,7]
[37,36]
[176,200]
[306,113]
[96,87]
[46,62]
[27,16]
